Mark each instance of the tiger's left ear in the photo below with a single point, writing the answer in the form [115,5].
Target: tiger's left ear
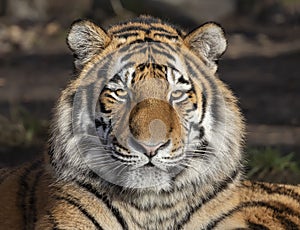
[207,40]
[86,40]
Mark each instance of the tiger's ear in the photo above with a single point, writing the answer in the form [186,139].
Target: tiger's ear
[85,39]
[207,40]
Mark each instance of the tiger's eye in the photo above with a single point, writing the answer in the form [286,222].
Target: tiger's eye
[177,94]
[121,93]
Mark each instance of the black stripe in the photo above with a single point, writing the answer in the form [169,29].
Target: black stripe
[23,191]
[166,46]
[168,36]
[129,49]
[140,48]
[195,71]
[103,108]
[221,186]
[275,189]
[6,174]
[106,201]
[81,209]
[277,210]
[126,35]
[162,52]
[108,95]
[204,104]
[140,28]
[182,80]
[288,224]
[119,159]
[32,198]
[141,41]
[126,57]
[147,39]
[116,79]
[53,221]
[137,50]
[128,64]
[255,226]
[190,110]
[137,223]
[134,28]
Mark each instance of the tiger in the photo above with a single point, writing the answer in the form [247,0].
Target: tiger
[146,136]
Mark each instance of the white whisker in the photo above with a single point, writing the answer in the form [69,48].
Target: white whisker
[186,165]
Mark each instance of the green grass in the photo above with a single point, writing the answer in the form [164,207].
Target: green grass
[270,164]
[21,128]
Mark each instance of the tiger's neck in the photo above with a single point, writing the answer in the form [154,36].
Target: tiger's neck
[176,207]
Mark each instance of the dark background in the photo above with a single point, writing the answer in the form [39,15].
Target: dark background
[261,65]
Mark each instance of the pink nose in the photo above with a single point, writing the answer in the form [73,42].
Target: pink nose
[149,150]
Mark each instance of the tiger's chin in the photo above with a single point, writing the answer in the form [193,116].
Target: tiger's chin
[148,178]
[142,179]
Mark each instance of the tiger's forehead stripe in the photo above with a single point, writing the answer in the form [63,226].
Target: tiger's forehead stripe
[149,27]
[146,30]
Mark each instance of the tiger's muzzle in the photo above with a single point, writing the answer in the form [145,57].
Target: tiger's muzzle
[154,125]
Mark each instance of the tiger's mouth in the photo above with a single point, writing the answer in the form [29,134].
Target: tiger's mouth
[125,155]
[138,157]
[123,163]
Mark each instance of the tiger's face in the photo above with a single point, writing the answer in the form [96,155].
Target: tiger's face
[147,110]
[145,120]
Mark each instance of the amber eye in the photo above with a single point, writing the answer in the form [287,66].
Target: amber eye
[121,93]
[177,94]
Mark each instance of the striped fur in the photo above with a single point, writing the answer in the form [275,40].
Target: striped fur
[102,174]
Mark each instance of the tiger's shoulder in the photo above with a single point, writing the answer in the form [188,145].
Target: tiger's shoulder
[251,205]
[24,193]
[269,205]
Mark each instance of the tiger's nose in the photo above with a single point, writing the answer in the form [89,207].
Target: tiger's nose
[147,149]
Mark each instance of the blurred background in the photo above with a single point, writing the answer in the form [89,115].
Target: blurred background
[261,65]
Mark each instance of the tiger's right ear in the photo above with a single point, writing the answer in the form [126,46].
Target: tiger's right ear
[85,39]
[207,41]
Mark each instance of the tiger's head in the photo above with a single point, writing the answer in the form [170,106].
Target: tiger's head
[147,110]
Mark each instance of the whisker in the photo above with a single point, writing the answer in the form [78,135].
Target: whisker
[186,165]
[199,154]
[122,170]
[196,148]
[197,158]
[107,154]
[198,144]
[101,163]
[99,149]
[198,151]
[202,158]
